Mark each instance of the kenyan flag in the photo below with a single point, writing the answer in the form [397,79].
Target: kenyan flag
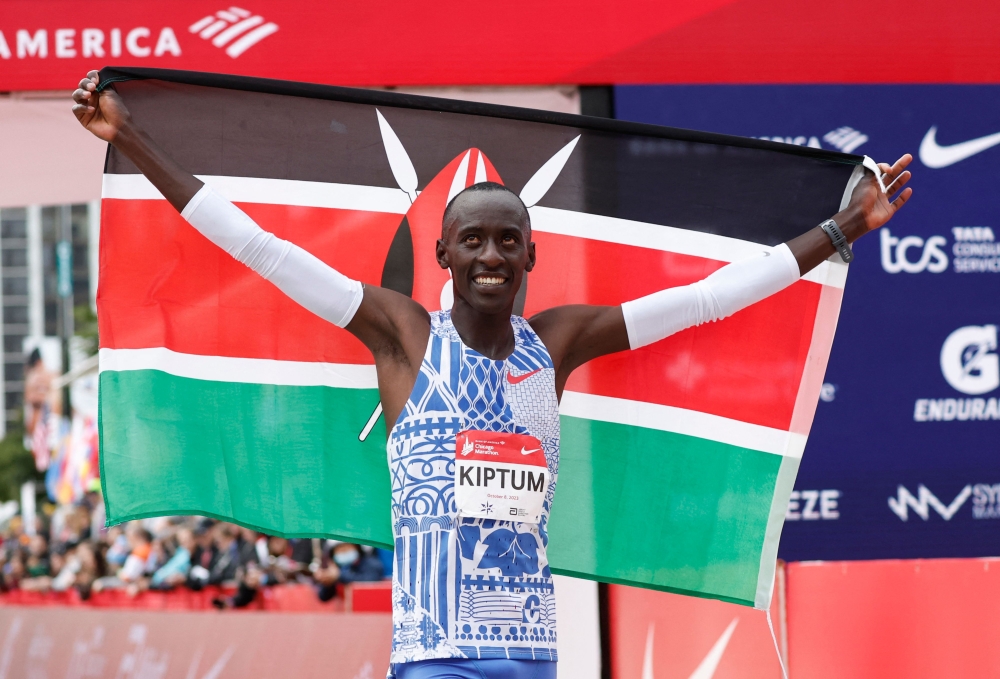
[220,396]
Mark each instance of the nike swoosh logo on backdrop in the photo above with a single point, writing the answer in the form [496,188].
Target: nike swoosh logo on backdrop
[936,156]
[514,379]
[706,668]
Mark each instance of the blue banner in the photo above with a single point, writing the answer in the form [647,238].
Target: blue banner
[904,456]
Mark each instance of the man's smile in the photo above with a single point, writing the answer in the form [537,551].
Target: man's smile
[489,279]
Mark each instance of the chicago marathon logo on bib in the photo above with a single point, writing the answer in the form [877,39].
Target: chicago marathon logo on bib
[500,476]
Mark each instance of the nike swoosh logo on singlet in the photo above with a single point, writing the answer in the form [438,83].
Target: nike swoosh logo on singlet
[936,156]
[529,452]
[515,379]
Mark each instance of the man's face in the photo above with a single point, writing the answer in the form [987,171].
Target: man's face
[486,245]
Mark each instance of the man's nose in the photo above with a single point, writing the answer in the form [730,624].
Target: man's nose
[490,254]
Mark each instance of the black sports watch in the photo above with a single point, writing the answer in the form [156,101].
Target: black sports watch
[838,239]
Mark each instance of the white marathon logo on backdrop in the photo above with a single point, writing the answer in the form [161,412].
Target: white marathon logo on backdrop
[968,360]
[969,363]
[895,257]
[235,28]
[924,501]
[813,505]
[844,139]
[975,250]
[90,43]
[985,502]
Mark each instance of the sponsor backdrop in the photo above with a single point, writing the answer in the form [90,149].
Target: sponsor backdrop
[902,462]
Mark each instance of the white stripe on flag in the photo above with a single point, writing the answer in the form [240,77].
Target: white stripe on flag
[665,238]
[272,192]
[543,219]
[243,370]
[354,376]
[682,421]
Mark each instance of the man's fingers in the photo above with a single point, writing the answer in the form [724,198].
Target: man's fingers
[898,182]
[901,199]
[94,75]
[78,96]
[80,110]
[893,172]
[900,165]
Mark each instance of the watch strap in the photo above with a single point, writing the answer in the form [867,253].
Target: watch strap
[838,239]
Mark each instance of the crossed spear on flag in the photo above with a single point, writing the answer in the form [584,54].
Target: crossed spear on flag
[406,178]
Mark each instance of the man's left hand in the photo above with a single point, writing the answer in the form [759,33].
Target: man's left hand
[870,208]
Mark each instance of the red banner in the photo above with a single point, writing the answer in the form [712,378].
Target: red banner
[668,636]
[74,642]
[50,45]
[920,619]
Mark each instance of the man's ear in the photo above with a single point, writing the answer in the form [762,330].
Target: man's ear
[441,253]
[531,257]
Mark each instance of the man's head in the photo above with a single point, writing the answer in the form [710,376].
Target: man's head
[486,242]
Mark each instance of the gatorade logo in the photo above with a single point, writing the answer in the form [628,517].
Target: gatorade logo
[968,359]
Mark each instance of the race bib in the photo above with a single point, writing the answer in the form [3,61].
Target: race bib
[500,476]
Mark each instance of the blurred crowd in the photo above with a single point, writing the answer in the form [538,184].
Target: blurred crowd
[71,548]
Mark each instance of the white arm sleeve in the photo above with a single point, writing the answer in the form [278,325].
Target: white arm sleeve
[733,287]
[319,288]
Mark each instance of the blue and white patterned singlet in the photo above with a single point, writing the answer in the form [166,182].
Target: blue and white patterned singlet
[466,587]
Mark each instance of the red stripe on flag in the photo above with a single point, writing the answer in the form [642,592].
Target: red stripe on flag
[162,284]
[747,367]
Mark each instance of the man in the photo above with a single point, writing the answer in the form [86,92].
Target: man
[470,394]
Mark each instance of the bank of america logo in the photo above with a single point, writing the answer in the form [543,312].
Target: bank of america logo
[845,138]
[235,27]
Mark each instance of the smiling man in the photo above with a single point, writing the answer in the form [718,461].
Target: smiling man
[471,394]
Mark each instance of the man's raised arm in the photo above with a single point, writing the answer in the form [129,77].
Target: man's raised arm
[316,286]
[390,324]
[578,333]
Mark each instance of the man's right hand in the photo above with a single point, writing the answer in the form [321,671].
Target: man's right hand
[103,113]
[107,118]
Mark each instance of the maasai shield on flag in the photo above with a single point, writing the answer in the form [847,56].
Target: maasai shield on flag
[221,396]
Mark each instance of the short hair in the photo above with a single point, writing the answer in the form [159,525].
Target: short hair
[488,187]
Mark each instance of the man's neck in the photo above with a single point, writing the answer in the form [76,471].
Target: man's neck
[489,334]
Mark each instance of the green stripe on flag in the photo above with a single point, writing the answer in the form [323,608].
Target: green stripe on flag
[286,460]
[662,508]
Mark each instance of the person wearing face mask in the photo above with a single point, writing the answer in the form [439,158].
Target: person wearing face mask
[348,563]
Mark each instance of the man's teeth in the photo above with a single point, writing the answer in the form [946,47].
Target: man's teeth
[490,280]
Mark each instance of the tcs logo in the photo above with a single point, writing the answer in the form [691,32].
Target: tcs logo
[926,255]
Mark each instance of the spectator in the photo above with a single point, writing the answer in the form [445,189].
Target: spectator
[140,543]
[37,564]
[204,556]
[348,563]
[175,571]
